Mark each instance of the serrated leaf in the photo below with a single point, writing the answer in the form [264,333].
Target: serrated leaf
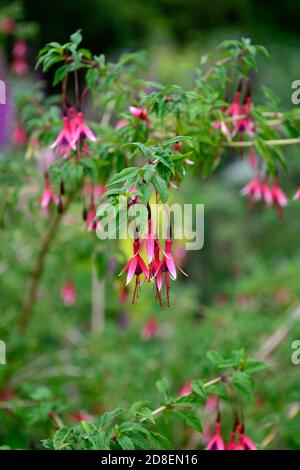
[130,172]
[190,419]
[60,438]
[161,187]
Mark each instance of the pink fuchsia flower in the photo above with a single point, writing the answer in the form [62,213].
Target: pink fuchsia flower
[187,161]
[279,198]
[122,123]
[81,129]
[78,416]
[149,329]
[19,136]
[186,389]
[245,442]
[135,267]
[65,139]
[167,268]
[140,113]
[252,159]
[297,195]
[7,25]
[222,126]
[91,221]
[68,293]
[212,403]
[258,190]
[20,66]
[216,443]
[151,242]
[234,109]
[245,123]
[177,146]
[156,274]
[48,196]
[19,48]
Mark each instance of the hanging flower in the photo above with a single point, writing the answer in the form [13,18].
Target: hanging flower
[68,293]
[167,268]
[149,329]
[244,441]
[135,267]
[279,198]
[186,389]
[297,195]
[19,136]
[91,221]
[216,443]
[140,113]
[48,196]
[65,139]
[80,129]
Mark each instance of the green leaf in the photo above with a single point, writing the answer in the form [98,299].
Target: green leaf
[60,73]
[190,419]
[243,383]
[130,172]
[110,416]
[214,357]
[76,38]
[161,187]
[125,443]
[199,389]
[162,387]
[60,437]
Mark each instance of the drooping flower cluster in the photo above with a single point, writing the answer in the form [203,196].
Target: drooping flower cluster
[161,266]
[236,117]
[238,439]
[259,190]
[74,128]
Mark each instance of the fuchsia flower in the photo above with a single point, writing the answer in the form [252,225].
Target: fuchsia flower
[48,196]
[216,443]
[245,123]
[279,198]
[222,126]
[140,113]
[74,128]
[7,25]
[257,190]
[234,109]
[65,139]
[186,389]
[149,329]
[19,65]
[80,129]
[68,293]
[212,403]
[244,441]
[122,123]
[78,416]
[297,195]
[135,267]
[91,221]
[166,269]
[252,159]
[19,136]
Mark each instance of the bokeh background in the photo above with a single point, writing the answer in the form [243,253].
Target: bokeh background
[243,286]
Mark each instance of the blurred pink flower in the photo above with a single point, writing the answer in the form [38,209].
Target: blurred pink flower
[149,329]
[186,389]
[68,293]
[139,113]
[48,196]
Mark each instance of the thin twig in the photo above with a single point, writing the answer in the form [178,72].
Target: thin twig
[46,241]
